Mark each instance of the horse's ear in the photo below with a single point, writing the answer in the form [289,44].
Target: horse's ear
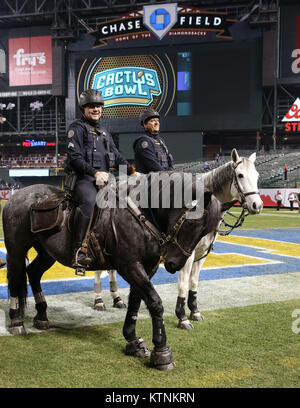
[235,156]
[253,157]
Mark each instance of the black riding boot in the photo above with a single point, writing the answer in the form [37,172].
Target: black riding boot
[80,226]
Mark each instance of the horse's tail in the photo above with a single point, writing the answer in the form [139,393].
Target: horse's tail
[213,208]
[15,257]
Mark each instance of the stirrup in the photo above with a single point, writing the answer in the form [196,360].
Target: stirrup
[79,271]
[81,263]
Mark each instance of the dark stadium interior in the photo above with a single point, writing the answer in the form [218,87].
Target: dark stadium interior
[228,93]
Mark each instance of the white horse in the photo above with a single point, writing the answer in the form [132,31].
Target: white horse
[113,288]
[235,180]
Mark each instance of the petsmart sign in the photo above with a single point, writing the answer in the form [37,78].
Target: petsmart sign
[161,21]
[127,85]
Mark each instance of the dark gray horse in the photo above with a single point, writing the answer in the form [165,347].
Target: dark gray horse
[129,247]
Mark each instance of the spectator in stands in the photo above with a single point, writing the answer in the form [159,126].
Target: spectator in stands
[91,153]
[279,200]
[291,199]
[150,151]
[285,170]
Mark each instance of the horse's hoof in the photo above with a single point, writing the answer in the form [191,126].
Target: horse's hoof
[162,360]
[118,303]
[185,324]
[196,317]
[137,348]
[99,305]
[16,330]
[41,324]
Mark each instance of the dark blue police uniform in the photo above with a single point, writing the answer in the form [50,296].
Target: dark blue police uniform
[90,148]
[151,154]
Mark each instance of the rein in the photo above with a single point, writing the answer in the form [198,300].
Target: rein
[240,220]
[162,238]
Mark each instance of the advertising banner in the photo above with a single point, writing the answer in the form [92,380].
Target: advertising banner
[290,45]
[269,196]
[30,61]
[163,21]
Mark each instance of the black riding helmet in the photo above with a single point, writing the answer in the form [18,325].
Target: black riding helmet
[148,114]
[90,96]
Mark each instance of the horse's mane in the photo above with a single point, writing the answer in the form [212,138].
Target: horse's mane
[217,178]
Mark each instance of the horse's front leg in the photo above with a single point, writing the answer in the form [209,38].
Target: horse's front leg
[193,287]
[203,250]
[142,288]
[136,346]
[183,285]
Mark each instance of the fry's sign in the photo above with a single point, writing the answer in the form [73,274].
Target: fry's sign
[30,61]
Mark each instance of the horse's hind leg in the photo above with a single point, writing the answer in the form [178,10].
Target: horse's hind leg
[35,271]
[17,287]
[183,284]
[98,302]
[117,301]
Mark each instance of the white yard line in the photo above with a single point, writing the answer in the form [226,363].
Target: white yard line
[72,310]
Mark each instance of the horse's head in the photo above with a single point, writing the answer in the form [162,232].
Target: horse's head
[190,232]
[244,185]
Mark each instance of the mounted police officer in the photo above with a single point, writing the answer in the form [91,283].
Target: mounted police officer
[150,151]
[91,153]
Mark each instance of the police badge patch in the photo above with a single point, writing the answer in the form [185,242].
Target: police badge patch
[71,133]
[144,144]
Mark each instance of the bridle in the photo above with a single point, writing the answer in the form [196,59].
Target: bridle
[235,181]
[241,218]
[162,238]
[172,236]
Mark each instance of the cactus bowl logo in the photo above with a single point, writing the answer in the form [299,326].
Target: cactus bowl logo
[127,85]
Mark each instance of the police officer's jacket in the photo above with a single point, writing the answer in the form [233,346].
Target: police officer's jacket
[90,148]
[151,154]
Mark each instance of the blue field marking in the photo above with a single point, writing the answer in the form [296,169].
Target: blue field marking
[280,264]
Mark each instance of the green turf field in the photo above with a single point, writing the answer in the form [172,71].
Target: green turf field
[252,346]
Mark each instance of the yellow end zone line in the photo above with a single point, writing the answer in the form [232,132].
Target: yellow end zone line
[213,261]
[234,260]
[279,247]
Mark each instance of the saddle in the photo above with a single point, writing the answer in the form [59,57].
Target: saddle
[49,213]
[52,213]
